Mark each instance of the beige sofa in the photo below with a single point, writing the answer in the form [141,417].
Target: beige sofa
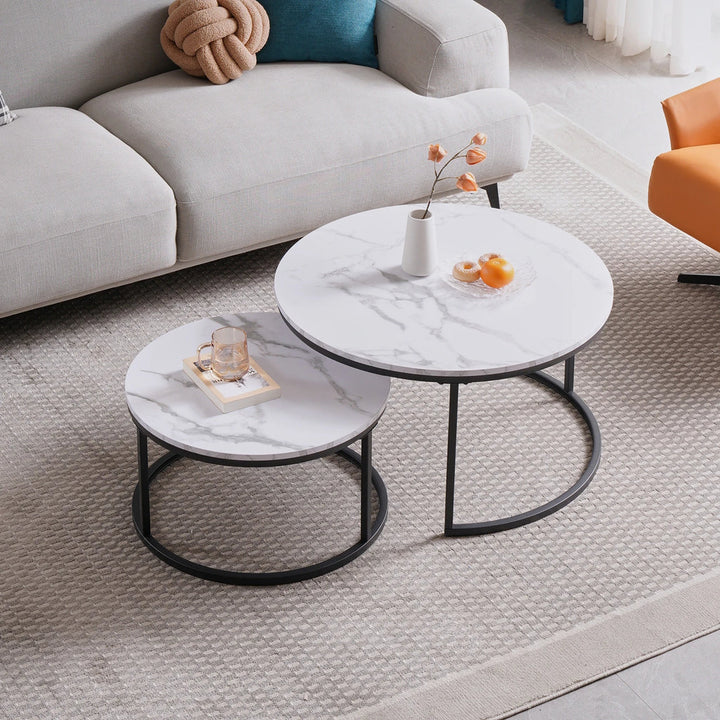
[119,167]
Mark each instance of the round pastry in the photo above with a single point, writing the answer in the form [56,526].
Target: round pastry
[466,271]
[487,256]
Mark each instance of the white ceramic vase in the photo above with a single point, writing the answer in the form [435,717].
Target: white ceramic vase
[420,254]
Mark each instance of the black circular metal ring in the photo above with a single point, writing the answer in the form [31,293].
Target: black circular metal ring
[261,578]
[513,521]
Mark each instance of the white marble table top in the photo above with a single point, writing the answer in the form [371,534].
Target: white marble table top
[342,288]
[324,404]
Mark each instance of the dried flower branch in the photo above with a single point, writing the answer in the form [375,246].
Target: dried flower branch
[473,154]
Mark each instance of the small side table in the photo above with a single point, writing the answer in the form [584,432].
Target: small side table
[325,406]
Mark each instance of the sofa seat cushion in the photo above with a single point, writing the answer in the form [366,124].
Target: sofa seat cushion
[684,190]
[80,210]
[291,146]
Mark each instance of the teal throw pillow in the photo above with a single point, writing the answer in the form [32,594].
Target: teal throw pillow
[320,31]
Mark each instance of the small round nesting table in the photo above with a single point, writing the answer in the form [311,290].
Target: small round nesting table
[324,407]
[342,291]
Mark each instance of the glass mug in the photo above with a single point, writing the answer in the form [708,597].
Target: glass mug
[229,358]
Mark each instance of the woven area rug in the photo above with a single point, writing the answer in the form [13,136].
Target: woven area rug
[92,625]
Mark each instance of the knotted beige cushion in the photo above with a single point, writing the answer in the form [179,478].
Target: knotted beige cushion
[215,38]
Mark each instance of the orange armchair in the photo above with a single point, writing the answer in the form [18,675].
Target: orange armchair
[684,185]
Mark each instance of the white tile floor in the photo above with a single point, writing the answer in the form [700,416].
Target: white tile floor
[618,100]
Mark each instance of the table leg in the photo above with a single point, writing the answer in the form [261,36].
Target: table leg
[569,384]
[566,390]
[365,487]
[493,195]
[143,481]
[451,452]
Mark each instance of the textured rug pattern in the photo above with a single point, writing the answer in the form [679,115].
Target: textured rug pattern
[93,625]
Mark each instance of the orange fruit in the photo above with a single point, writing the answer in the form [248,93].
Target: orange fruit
[497,272]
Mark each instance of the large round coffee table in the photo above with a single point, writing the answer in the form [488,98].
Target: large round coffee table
[342,290]
[325,406]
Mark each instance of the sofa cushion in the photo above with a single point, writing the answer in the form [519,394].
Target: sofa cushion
[80,209]
[322,31]
[290,146]
[62,53]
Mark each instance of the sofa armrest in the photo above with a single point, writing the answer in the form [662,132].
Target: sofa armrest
[441,48]
[693,116]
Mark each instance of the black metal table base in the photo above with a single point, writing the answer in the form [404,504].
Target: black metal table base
[566,391]
[699,278]
[369,529]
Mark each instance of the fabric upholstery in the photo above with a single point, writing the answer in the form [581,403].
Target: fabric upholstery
[216,39]
[80,209]
[282,152]
[693,116]
[321,31]
[684,186]
[684,190]
[63,53]
[442,48]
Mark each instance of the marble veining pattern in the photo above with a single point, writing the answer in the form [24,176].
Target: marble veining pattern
[342,288]
[323,404]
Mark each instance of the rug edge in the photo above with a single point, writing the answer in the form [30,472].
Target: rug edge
[590,152]
[658,624]
[597,157]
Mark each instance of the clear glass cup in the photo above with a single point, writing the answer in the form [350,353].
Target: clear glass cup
[228,359]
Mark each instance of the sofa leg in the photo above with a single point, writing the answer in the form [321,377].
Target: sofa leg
[493,195]
[699,279]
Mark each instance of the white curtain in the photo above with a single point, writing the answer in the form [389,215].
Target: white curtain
[678,28]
